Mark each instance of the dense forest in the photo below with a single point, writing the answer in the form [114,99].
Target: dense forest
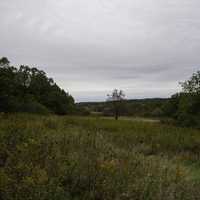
[27,89]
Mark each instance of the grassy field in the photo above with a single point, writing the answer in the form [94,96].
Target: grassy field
[64,158]
[140,119]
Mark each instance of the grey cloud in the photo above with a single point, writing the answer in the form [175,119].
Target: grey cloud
[144,47]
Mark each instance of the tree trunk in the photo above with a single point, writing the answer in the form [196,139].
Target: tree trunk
[116,115]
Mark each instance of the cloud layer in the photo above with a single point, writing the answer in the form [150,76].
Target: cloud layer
[144,47]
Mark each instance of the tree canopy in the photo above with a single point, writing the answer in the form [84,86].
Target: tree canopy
[27,89]
[193,84]
[184,107]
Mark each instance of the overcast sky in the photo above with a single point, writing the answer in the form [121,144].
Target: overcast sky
[90,47]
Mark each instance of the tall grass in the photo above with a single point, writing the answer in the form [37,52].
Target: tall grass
[49,157]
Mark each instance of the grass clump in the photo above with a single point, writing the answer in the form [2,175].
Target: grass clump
[49,157]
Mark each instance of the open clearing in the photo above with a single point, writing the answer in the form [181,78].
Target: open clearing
[139,119]
[50,157]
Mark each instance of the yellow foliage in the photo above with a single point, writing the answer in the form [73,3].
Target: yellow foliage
[40,176]
[109,164]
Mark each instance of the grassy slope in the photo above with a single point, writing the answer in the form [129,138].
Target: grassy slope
[87,158]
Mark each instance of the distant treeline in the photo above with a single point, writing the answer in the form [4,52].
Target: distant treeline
[136,107]
[27,89]
[181,109]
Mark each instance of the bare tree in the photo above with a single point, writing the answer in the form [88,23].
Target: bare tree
[116,98]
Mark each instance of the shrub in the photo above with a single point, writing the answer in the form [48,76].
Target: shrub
[33,107]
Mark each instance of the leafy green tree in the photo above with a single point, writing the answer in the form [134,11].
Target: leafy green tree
[30,90]
[185,106]
[7,85]
[193,84]
[189,105]
[4,62]
[170,108]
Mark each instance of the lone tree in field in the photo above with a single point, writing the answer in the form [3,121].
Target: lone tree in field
[116,98]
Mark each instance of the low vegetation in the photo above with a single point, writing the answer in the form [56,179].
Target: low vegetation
[51,157]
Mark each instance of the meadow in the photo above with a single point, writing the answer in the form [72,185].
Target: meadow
[94,158]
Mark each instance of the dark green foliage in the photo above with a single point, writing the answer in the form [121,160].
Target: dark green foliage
[4,61]
[82,111]
[136,108]
[30,90]
[189,110]
[193,84]
[185,106]
[33,107]
[171,106]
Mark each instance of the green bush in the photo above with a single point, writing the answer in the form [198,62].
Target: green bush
[185,106]
[33,107]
